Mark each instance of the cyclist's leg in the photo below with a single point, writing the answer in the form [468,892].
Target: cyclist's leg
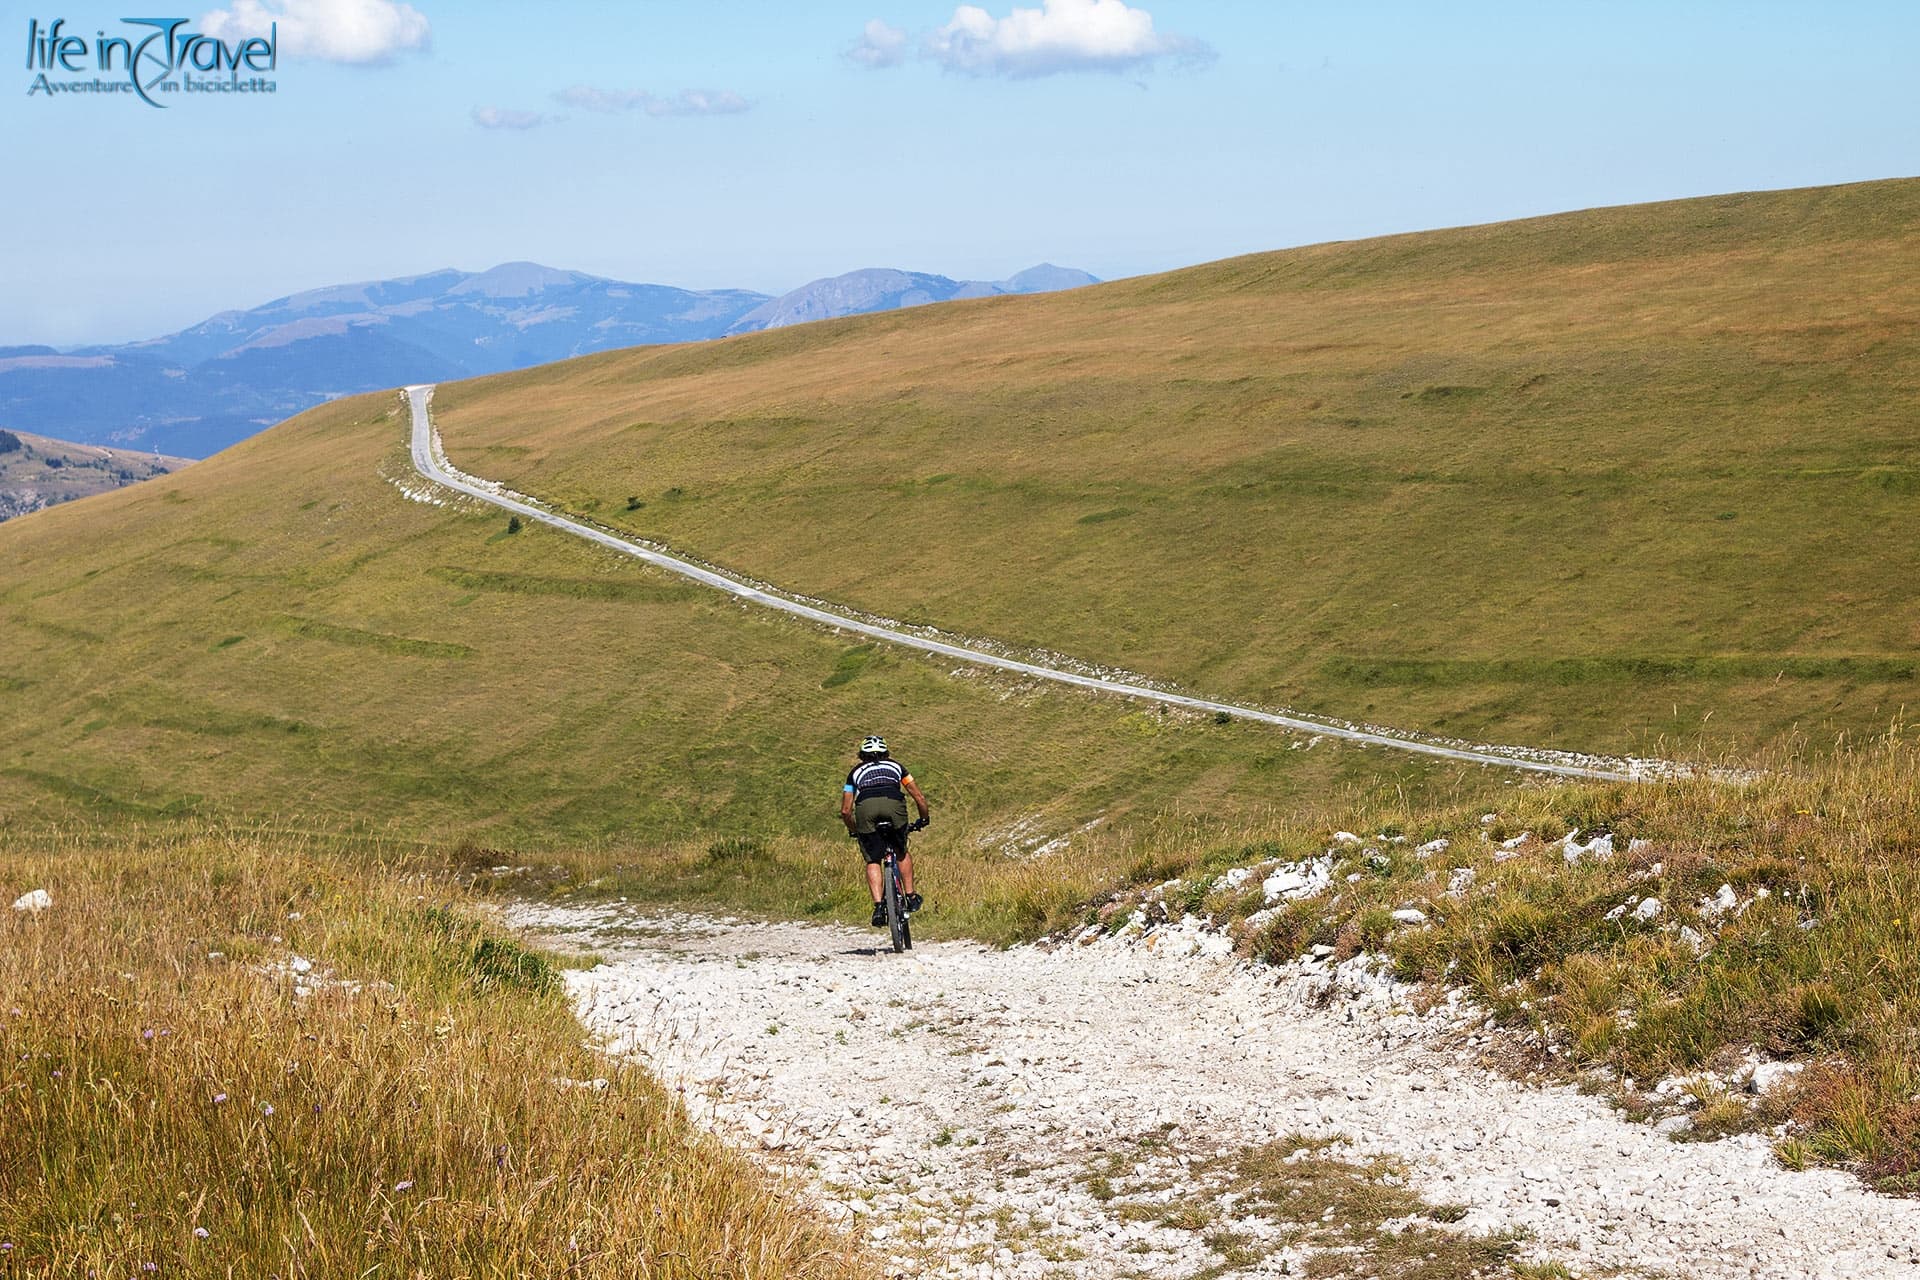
[872,850]
[905,860]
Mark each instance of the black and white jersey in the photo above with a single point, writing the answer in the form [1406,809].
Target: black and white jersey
[877,778]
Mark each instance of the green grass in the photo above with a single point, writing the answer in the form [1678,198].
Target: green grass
[412,647]
[578,588]
[1401,673]
[280,639]
[1427,480]
[177,1098]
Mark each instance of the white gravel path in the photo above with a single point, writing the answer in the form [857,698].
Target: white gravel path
[1012,1075]
[430,460]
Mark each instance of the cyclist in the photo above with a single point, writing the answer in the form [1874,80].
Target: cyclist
[877,787]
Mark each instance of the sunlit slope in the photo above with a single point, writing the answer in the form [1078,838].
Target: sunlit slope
[1587,480]
[280,633]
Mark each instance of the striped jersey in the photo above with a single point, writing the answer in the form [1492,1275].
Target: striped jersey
[877,778]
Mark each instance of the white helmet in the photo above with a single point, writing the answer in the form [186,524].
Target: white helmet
[874,745]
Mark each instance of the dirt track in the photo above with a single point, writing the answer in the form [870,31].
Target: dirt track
[430,461]
[1012,1078]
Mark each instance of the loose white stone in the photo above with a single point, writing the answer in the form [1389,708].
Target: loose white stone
[1130,1036]
[1768,1076]
[1647,910]
[1281,883]
[1598,849]
[33,902]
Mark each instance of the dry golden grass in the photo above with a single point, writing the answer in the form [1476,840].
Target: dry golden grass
[171,1100]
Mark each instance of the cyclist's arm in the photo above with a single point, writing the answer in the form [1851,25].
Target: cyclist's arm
[846,806]
[913,789]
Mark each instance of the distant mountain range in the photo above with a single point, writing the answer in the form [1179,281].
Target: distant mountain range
[197,391]
[879,289]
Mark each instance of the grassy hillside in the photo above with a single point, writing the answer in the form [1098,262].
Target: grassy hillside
[278,634]
[37,472]
[1585,480]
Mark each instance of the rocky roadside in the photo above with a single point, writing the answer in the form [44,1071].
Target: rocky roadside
[1084,1111]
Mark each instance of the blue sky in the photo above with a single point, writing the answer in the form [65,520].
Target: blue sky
[745,144]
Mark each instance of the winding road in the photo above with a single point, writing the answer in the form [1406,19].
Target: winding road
[431,462]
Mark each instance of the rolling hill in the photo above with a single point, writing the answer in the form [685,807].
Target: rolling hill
[278,634]
[1596,480]
[1581,481]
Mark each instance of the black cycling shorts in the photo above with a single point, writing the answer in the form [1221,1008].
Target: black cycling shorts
[874,844]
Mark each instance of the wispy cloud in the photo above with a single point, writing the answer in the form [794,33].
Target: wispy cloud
[881,44]
[1060,36]
[353,31]
[502,118]
[687,102]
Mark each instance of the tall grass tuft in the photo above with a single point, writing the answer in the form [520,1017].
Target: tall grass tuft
[223,1057]
[1785,927]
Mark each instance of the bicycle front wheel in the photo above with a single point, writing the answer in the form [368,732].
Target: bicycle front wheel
[896,910]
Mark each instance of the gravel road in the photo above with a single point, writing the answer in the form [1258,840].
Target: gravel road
[958,1101]
[431,462]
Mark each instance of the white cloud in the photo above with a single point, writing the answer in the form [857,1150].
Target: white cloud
[1061,35]
[881,44]
[701,102]
[358,31]
[688,102]
[607,100]
[502,118]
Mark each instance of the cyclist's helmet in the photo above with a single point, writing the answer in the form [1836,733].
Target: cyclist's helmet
[873,747]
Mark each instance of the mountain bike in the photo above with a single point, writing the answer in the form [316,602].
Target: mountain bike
[892,892]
